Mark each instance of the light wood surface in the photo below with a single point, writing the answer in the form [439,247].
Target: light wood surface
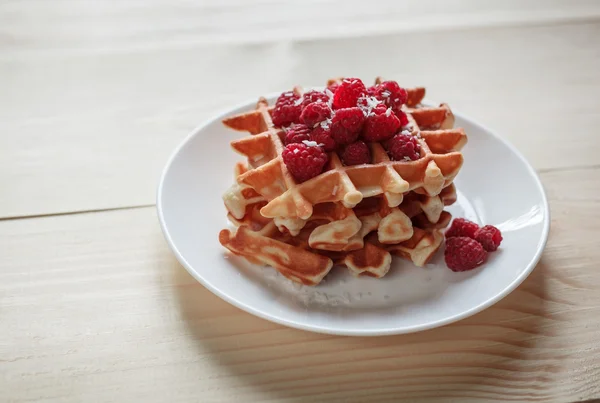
[94,95]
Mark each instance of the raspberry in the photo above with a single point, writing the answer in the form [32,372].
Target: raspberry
[346,125]
[322,136]
[287,98]
[314,96]
[403,147]
[287,109]
[489,237]
[315,113]
[403,118]
[348,93]
[463,253]
[373,91]
[356,153]
[462,228]
[392,94]
[380,125]
[304,161]
[333,87]
[297,134]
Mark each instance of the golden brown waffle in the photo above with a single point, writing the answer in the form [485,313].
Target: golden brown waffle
[289,200]
[301,259]
[355,216]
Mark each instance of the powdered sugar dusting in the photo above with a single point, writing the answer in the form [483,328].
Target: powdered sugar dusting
[330,95]
[310,143]
[325,124]
[388,112]
[334,190]
[371,103]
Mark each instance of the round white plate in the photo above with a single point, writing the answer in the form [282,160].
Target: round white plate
[496,186]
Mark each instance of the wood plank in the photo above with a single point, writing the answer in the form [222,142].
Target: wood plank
[97,25]
[95,308]
[87,129]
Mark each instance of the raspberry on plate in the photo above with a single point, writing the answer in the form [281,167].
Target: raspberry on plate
[305,160]
[403,147]
[314,96]
[489,237]
[463,253]
[380,125]
[356,154]
[287,109]
[346,125]
[297,134]
[462,227]
[322,136]
[314,113]
[348,92]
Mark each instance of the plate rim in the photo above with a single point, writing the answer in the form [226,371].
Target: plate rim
[353,332]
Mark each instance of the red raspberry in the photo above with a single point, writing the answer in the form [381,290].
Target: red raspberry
[333,87]
[489,237]
[356,153]
[462,228]
[322,136]
[403,118]
[403,147]
[348,93]
[287,97]
[297,134]
[463,253]
[287,109]
[303,161]
[346,125]
[373,91]
[314,96]
[380,125]
[392,94]
[315,113]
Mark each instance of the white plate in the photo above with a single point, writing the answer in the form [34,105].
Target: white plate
[496,186]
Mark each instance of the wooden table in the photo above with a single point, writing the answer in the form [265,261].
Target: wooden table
[94,95]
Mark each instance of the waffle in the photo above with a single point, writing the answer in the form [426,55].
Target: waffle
[363,239]
[258,239]
[353,216]
[289,200]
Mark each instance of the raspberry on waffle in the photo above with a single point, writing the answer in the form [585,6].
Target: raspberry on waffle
[439,163]
[357,215]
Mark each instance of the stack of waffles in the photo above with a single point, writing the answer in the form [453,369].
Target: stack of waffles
[354,216]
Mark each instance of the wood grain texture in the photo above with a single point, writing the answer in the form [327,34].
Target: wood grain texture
[34,26]
[92,102]
[94,96]
[95,308]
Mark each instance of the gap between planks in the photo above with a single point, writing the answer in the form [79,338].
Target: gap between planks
[541,172]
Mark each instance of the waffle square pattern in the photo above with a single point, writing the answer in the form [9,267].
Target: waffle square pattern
[354,216]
